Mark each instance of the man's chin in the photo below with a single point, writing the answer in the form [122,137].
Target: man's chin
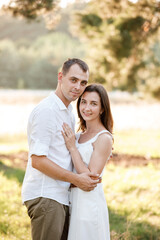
[71,99]
[74,97]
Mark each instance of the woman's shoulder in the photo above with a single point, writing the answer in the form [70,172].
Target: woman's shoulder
[104,134]
[103,138]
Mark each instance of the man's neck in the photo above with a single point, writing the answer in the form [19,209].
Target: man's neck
[61,96]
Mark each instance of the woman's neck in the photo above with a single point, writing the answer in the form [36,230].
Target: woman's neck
[94,127]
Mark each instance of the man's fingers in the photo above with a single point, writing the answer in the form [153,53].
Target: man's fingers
[90,189]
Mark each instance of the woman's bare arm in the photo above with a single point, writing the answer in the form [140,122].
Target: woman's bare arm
[101,151]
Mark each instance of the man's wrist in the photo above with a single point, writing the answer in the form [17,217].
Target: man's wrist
[75,179]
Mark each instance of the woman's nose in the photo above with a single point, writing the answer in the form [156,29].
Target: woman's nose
[87,107]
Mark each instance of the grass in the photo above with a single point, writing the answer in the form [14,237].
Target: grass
[138,142]
[132,193]
[135,142]
[14,223]
[133,197]
[13,143]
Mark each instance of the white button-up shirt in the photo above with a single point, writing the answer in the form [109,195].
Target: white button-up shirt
[45,138]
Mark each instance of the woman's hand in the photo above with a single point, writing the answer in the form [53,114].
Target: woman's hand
[69,137]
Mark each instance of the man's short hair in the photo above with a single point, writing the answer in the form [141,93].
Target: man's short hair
[71,61]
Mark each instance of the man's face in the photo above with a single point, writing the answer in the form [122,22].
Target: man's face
[73,83]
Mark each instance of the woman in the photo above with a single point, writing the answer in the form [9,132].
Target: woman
[90,152]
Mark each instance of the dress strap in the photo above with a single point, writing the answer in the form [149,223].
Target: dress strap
[103,131]
[78,136]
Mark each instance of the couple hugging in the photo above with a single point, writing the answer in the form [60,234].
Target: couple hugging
[62,187]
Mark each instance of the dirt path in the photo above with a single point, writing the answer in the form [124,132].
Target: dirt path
[19,160]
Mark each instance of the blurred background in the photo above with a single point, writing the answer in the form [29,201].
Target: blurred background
[120,41]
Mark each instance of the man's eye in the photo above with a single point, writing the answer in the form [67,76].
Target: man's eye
[83,83]
[73,80]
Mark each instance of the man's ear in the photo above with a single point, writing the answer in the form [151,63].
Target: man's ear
[60,76]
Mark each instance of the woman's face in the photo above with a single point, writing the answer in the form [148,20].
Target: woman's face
[90,106]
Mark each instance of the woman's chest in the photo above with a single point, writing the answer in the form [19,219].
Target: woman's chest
[86,151]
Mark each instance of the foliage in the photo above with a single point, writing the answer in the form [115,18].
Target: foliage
[13,28]
[35,65]
[122,38]
[30,8]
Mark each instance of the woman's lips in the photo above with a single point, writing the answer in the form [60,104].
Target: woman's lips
[86,114]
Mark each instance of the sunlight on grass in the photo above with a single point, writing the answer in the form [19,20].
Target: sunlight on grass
[13,143]
[132,195]
[138,142]
[133,199]
[14,222]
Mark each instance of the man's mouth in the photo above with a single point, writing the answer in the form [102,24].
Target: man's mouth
[75,93]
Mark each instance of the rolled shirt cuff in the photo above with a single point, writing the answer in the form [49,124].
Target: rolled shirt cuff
[39,149]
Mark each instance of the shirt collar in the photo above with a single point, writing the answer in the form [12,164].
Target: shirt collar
[60,103]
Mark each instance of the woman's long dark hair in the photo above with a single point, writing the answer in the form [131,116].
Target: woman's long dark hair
[106,116]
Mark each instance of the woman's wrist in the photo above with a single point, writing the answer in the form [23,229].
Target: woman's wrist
[73,149]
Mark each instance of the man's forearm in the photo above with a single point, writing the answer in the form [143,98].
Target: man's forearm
[51,169]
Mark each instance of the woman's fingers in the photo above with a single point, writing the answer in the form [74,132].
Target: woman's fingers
[64,135]
[67,130]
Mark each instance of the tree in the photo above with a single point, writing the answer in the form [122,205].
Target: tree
[121,37]
[30,8]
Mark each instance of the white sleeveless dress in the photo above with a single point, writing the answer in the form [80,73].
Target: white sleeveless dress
[88,210]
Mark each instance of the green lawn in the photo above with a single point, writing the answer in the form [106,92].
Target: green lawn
[132,193]
[133,197]
[135,142]
[138,142]
[14,222]
[13,143]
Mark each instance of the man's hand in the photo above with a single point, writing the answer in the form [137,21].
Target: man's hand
[87,181]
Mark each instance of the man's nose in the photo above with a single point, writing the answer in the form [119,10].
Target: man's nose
[78,85]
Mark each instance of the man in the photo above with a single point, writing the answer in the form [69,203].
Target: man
[49,170]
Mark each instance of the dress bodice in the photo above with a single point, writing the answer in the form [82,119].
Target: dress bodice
[88,210]
[86,148]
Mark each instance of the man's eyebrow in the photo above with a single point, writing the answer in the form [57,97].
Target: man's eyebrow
[73,77]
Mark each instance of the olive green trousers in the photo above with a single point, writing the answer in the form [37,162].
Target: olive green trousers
[49,219]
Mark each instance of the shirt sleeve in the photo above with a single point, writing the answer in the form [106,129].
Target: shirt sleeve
[42,129]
